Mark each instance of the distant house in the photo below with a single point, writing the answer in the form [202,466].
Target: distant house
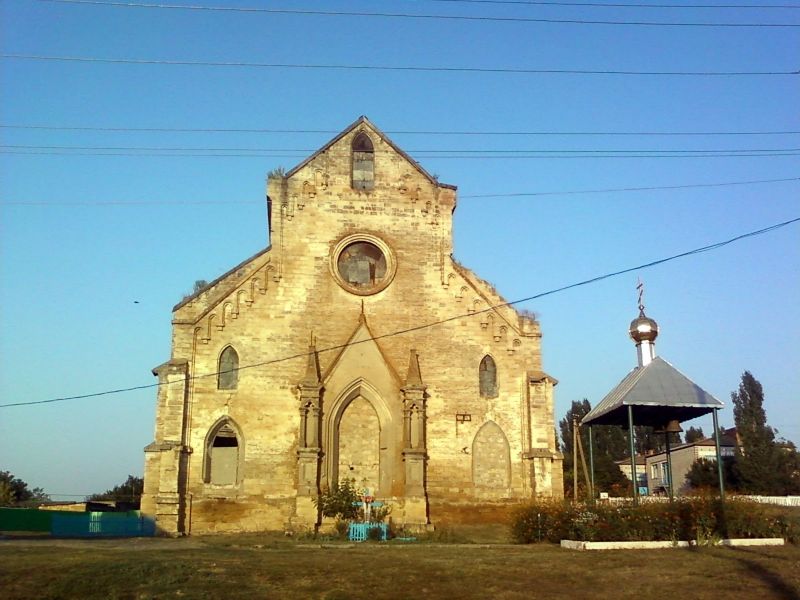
[683,457]
[89,506]
[641,475]
[64,506]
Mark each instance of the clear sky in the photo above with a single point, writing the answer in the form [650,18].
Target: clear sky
[99,240]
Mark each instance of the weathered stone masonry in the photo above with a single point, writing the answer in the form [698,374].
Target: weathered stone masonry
[459,413]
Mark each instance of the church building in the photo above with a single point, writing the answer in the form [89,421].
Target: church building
[354,347]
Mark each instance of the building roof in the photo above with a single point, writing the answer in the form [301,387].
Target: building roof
[658,392]
[727,439]
[640,460]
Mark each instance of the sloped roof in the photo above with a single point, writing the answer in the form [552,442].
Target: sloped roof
[726,440]
[658,392]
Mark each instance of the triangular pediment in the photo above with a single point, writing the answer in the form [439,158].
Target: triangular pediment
[364,124]
[361,358]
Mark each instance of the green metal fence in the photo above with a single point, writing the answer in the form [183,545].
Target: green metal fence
[76,524]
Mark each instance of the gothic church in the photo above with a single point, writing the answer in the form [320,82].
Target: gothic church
[356,347]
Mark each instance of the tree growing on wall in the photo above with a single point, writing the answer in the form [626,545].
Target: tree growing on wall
[15,492]
[198,285]
[762,465]
[609,444]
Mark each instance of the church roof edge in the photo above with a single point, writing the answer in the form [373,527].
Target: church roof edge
[191,297]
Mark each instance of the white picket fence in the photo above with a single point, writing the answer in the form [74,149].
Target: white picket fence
[777,500]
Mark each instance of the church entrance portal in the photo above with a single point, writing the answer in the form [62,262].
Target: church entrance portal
[359,445]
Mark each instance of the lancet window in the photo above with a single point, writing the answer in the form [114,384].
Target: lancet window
[363,163]
[487,377]
[228,369]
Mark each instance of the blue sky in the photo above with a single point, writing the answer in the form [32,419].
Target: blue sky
[95,250]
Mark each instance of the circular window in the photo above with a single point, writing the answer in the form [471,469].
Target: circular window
[363,264]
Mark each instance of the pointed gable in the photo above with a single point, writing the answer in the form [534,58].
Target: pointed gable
[364,124]
[362,357]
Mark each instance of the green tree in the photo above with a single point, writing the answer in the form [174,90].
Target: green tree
[340,501]
[694,434]
[703,474]
[762,465]
[649,440]
[15,492]
[608,444]
[129,491]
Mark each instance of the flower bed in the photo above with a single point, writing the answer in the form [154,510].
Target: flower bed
[698,519]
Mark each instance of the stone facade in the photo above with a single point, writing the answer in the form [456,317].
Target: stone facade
[354,347]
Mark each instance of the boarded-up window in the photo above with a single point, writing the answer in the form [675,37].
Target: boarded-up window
[222,466]
[228,371]
[362,265]
[363,163]
[491,462]
[487,377]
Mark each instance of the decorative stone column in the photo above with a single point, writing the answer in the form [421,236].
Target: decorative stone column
[309,452]
[415,453]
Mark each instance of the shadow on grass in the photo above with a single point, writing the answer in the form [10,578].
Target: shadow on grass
[777,584]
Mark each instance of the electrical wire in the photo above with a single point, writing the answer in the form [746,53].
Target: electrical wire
[496,70]
[333,348]
[461,196]
[617,5]
[418,16]
[392,132]
[629,189]
[420,155]
[412,151]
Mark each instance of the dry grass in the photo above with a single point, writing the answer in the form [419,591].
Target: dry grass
[264,566]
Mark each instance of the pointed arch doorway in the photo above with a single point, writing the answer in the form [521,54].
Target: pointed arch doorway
[358,439]
[359,444]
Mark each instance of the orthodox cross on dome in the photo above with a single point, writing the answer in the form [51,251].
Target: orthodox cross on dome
[640,287]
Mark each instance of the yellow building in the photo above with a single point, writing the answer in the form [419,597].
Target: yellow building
[354,347]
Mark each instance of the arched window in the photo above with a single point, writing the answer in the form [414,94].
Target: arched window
[487,377]
[228,369]
[363,163]
[223,455]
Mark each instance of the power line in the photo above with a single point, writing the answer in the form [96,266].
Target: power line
[618,5]
[392,132]
[648,265]
[166,154]
[418,16]
[426,151]
[461,196]
[630,189]
[340,67]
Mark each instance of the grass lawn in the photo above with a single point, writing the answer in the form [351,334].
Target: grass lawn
[264,566]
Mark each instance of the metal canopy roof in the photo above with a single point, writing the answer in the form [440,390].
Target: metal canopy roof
[658,392]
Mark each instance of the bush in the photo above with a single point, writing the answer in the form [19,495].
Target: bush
[339,501]
[702,519]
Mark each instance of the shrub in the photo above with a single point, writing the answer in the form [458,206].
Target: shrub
[341,528]
[338,501]
[702,519]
